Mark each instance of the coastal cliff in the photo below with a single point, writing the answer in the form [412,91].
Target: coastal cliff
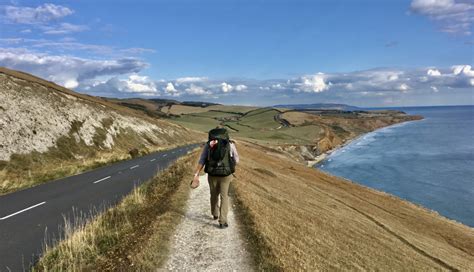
[337,128]
[48,131]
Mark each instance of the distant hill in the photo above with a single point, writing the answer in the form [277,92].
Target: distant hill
[158,107]
[319,106]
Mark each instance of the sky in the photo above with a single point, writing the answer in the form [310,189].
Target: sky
[249,52]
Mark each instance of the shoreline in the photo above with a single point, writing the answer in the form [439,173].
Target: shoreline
[320,158]
[416,203]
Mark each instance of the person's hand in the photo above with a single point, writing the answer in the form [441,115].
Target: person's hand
[195,182]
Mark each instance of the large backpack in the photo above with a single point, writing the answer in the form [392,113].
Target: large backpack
[219,161]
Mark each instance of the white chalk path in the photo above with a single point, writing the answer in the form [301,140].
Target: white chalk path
[200,245]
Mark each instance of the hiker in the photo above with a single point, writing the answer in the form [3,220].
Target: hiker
[219,157]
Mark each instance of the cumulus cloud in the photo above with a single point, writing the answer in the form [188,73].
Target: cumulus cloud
[315,83]
[463,70]
[38,15]
[122,77]
[433,72]
[140,84]
[403,87]
[171,90]
[241,87]
[132,85]
[226,87]
[452,16]
[197,90]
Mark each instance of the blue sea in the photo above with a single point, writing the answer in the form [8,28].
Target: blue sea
[428,162]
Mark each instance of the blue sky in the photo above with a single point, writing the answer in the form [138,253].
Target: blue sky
[365,53]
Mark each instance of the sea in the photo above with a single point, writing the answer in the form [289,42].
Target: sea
[428,162]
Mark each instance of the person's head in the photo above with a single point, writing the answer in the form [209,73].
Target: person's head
[218,132]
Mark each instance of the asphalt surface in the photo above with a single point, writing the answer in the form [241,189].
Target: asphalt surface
[32,216]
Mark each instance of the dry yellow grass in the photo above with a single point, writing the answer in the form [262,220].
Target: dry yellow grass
[133,235]
[298,118]
[312,221]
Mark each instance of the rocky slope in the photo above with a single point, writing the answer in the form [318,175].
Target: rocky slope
[43,124]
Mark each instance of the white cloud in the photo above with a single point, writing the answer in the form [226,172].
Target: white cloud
[190,79]
[64,28]
[403,87]
[241,87]
[69,44]
[434,88]
[452,16]
[225,87]
[171,90]
[197,90]
[140,84]
[65,70]
[315,83]
[39,15]
[71,83]
[433,72]
[464,70]
[132,85]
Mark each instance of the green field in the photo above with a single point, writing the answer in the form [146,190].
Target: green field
[258,125]
[215,114]
[203,124]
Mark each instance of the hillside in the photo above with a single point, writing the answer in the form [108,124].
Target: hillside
[157,107]
[318,106]
[306,135]
[47,131]
[301,219]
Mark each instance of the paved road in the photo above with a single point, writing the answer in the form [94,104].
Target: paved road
[31,216]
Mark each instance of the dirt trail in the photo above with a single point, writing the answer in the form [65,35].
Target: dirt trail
[199,244]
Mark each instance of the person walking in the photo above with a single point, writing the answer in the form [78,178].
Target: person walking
[219,158]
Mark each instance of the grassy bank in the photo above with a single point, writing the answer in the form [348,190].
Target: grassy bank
[301,219]
[130,236]
[67,158]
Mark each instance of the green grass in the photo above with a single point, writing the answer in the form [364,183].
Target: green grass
[286,135]
[203,124]
[258,125]
[261,119]
[214,114]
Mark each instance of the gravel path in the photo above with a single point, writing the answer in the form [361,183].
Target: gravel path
[200,245]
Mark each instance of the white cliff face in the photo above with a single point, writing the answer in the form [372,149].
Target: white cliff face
[33,117]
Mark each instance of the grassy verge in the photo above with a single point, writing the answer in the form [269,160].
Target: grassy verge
[133,235]
[259,249]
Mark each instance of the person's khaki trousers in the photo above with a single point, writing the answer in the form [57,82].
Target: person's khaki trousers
[220,186]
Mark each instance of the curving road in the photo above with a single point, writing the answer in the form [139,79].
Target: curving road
[32,216]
